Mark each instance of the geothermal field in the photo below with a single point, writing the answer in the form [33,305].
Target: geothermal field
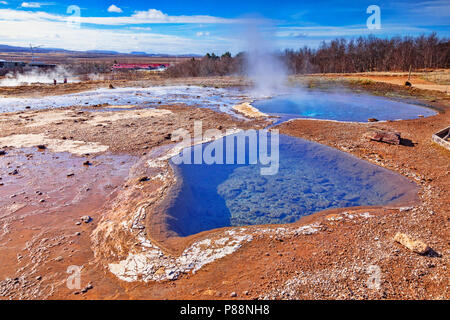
[191,156]
[151,188]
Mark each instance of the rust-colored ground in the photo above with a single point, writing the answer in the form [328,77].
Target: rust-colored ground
[352,254]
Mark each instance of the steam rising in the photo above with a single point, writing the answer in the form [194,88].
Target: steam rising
[263,65]
[37,76]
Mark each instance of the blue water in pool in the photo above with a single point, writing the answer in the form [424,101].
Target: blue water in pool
[342,106]
[311,178]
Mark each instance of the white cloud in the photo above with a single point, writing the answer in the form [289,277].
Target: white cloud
[21,27]
[138,17]
[201,34]
[3,2]
[141,28]
[114,8]
[31,5]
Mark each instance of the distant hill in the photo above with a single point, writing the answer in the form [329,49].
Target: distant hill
[7,48]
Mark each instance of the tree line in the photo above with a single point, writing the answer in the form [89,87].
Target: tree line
[362,54]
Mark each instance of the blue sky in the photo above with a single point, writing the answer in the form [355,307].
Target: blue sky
[179,27]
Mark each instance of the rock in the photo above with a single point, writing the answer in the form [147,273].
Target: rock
[384,136]
[143,179]
[416,246]
[2,152]
[86,219]
[41,147]
[71,174]
[59,258]
[87,163]
[233,294]
[78,223]
[408,84]
[78,233]
[111,86]
[38,278]
[372,120]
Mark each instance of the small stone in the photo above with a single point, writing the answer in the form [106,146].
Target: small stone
[71,174]
[41,147]
[78,223]
[245,293]
[87,163]
[2,152]
[143,179]
[38,278]
[372,120]
[233,294]
[59,258]
[42,200]
[78,233]
[86,219]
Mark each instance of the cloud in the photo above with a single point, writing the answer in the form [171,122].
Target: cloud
[114,8]
[201,34]
[141,28]
[151,16]
[31,5]
[3,2]
[21,27]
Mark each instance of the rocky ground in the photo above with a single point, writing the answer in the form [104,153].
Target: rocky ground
[123,250]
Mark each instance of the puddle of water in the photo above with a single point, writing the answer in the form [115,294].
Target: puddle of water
[311,178]
[215,98]
[345,106]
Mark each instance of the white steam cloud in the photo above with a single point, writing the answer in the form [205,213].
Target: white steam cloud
[37,76]
[263,65]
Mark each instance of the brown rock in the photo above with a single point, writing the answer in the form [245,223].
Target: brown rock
[384,136]
[416,246]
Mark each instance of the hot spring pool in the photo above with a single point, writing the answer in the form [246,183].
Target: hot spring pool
[311,178]
[342,106]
